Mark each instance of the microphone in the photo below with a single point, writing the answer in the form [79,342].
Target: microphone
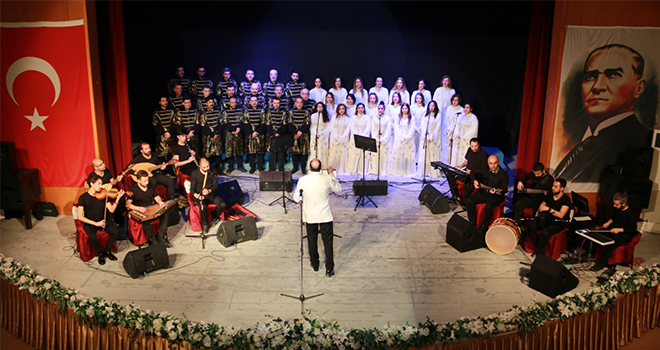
[301,191]
[457,114]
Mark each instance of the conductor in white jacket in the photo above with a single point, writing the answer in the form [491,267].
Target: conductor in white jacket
[313,191]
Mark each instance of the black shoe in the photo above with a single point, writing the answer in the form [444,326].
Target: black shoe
[304,171]
[110,256]
[597,267]
[330,273]
[252,170]
[315,267]
[102,259]
[294,170]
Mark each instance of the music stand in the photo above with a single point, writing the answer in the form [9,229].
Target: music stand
[281,144]
[365,144]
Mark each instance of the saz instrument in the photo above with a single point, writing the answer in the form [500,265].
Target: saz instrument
[488,188]
[148,167]
[153,211]
[531,191]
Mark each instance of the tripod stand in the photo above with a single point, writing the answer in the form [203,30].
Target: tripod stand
[426,151]
[302,296]
[365,144]
[282,144]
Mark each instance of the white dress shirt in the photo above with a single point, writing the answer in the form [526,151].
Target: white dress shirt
[316,188]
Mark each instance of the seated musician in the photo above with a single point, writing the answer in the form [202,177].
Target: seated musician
[105,174]
[184,156]
[143,194]
[555,206]
[476,164]
[538,179]
[92,212]
[146,156]
[622,226]
[203,185]
[498,181]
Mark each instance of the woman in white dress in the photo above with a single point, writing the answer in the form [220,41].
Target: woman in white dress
[443,94]
[421,88]
[403,149]
[361,95]
[340,132]
[429,149]
[339,92]
[350,105]
[417,110]
[394,107]
[319,134]
[381,130]
[372,105]
[317,93]
[467,128]
[400,87]
[380,91]
[449,125]
[330,106]
[360,125]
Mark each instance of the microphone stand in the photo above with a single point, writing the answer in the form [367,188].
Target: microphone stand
[451,139]
[426,150]
[379,150]
[316,139]
[302,296]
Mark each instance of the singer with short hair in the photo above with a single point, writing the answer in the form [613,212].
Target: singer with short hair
[313,192]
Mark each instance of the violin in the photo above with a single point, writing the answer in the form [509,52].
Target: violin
[104,193]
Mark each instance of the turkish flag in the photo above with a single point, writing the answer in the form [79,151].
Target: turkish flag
[46,108]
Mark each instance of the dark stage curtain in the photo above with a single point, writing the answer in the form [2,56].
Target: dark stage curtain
[536,75]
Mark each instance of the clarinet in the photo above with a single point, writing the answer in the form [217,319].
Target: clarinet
[190,151]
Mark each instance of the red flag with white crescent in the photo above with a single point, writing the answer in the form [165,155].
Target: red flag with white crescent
[46,107]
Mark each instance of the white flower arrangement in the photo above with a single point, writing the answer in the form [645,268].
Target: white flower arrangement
[308,332]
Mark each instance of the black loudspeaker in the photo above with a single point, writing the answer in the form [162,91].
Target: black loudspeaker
[550,277]
[370,188]
[462,235]
[272,181]
[237,231]
[49,209]
[8,160]
[20,188]
[434,200]
[639,162]
[230,192]
[639,191]
[142,261]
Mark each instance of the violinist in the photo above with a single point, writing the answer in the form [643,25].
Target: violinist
[92,211]
[101,170]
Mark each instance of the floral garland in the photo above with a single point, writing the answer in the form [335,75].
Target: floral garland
[308,332]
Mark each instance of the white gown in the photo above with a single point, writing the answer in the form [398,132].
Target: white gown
[318,148]
[372,111]
[360,125]
[417,113]
[425,93]
[403,149]
[318,95]
[332,111]
[449,123]
[443,97]
[433,145]
[405,96]
[384,124]
[340,95]
[360,96]
[340,132]
[467,128]
[393,111]
[383,94]
[350,111]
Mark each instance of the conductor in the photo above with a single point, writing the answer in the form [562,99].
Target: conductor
[315,188]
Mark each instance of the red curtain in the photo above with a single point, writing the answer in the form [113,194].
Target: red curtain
[536,75]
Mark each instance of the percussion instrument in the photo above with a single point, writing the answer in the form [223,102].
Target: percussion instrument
[502,236]
[153,211]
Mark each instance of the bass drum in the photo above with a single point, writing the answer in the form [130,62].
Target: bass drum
[502,236]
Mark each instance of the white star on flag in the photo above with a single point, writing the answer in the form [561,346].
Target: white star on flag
[37,120]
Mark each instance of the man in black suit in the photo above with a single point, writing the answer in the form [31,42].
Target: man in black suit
[612,82]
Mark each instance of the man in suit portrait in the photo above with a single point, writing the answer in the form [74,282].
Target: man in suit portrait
[612,81]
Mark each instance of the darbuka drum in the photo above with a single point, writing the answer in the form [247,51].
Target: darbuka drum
[502,236]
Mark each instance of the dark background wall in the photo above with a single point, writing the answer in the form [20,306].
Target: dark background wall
[481,45]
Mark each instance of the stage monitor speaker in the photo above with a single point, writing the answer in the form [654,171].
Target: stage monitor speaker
[434,200]
[370,188]
[550,277]
[230,192]
[142,261]
[8,160]
[49,209]
[639,162]
[272,181]
[21,187]
[237,231]
[462,235]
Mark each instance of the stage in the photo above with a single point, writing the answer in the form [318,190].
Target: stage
[392,266]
